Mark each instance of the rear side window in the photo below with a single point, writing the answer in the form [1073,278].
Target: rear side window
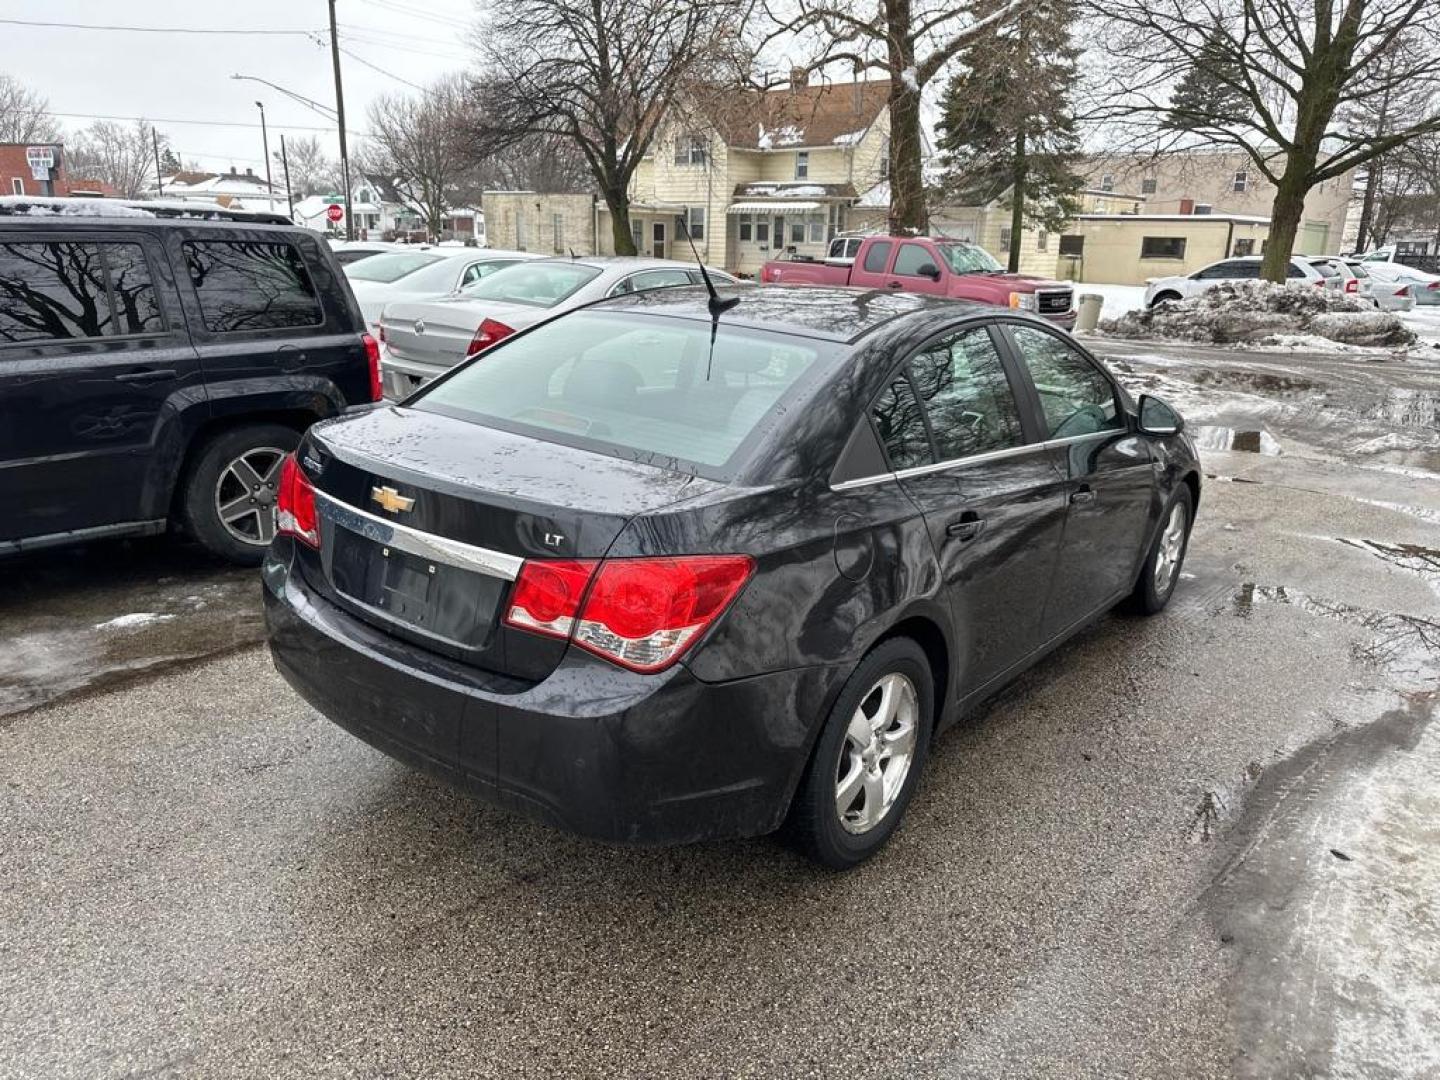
[1358,270]
[1294,270]
[962,381]
[251,285]
[70,291]
[901,426]
[878,256]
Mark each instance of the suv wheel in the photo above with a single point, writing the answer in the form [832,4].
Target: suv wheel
[228,502]
[868,758]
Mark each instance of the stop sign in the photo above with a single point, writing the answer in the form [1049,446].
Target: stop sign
[334,212]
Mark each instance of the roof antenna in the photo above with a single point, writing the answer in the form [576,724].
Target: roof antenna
[718,306]
[573,256]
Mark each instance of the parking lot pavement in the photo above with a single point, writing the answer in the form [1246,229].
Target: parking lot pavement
[1201,844]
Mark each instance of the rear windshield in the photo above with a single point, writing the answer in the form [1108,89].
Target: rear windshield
[1358,269]
[536,283]
[967,259]
[391,267]
[1326,269]
[629,385]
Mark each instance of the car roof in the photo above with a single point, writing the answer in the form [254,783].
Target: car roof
[832,314]
[92,212]
[625,263]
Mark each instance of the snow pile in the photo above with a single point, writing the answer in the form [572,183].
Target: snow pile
[1259,313]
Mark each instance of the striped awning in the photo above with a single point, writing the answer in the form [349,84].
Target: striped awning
[771,205]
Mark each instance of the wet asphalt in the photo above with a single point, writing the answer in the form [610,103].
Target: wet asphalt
[1202,844]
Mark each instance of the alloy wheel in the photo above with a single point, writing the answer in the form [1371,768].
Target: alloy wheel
[245,495]
[877,752]
[1172,546]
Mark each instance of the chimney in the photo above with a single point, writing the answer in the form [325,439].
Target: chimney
[799,78]
[1187,206]
[249,171]
[232,170]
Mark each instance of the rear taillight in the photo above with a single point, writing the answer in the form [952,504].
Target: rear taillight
[547,595]
[1433,286]
[1404,290]
[489,333]
[372,355]
[295,505]
[1352,285]
[641,614]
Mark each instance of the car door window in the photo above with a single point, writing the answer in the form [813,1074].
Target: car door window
[911,258]
[877,257]
[652,279]
[1075,397]
[63,291]
[251,285]
[901,425]
[961,379]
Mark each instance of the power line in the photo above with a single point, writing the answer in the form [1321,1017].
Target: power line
[396,8]
[204,123]
[457,55]
[153,29]
[382,71]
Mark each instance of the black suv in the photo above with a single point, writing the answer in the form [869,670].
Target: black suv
[156,366]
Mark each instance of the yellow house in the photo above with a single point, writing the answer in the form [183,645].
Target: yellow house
[1128,249]
[771,173]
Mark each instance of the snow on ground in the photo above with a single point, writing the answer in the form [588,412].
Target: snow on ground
[135,618]
[1118,299]
[1425,321]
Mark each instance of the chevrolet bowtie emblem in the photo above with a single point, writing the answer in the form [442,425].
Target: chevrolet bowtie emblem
[391,499]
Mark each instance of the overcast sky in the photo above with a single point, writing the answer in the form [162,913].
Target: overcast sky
[173,77]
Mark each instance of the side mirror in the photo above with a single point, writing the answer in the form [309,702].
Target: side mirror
[1158,418]
[928,270]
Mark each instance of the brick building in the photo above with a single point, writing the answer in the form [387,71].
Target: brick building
[16,178]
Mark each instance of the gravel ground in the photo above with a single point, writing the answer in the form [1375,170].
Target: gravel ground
[1125,865]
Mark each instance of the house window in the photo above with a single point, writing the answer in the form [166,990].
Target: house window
[520,231]
[885,158]
[746,224]
[557,222]
[815,227]
[1148,185]
[802,164]
[1042,241]
[1202,208]
[762,229]
[1107,182]
[696,222]
[1162,247]
[1005,239]
[1243,248]
[1072,245]
[637,234]
[18,185]
[690,150]
[1241,180]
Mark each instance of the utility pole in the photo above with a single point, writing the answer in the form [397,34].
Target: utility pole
[265,142]
[340,116]
[285,161]
[159,181]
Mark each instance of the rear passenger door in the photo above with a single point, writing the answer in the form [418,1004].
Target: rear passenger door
[869,272]
[967,452]
[94,367]
[270,316]
[1110,473]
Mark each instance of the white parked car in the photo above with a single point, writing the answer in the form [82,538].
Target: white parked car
[1424,287]
[422,274]
[1243,268]
[1344,276]
[352,251]
[1388,295]
[423,339]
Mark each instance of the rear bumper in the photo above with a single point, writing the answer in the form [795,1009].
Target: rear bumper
[592,749]
[402,377]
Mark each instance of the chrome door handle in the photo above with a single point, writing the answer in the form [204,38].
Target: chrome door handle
[965,528]
[1084,497]
[893,285]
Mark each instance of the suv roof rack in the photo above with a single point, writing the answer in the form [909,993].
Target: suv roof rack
[47,206]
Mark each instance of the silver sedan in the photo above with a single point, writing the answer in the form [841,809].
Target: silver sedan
[423,339]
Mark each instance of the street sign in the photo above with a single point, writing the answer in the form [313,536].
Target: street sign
[334,212]
[40,157]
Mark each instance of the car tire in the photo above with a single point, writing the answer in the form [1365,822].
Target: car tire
[849,802]
[1163,562]
[1165,298]
[211,506]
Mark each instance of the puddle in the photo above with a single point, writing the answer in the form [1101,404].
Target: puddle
[1420,560]
[1265,382]
[1212,437]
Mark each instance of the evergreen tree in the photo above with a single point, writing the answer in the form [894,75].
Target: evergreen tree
[1209,92]
[1007,129]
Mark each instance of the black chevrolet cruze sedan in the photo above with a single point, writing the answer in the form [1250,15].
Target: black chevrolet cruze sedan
[652,573]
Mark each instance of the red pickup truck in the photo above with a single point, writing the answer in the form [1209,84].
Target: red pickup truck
[938,266]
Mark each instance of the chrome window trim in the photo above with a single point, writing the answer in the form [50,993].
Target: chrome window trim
[413,541]
[974,459]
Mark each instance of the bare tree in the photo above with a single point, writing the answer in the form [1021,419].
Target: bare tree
[601,74]
[911,41]
[418,146]
[311,169]
[24,115]
[1286,75]
[122,155]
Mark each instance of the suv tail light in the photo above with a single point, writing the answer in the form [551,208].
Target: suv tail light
[372,354]
[1352,285]
[641,614]
[489,333]
[295,505]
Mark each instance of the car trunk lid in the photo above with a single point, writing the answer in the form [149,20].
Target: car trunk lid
[426,519]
